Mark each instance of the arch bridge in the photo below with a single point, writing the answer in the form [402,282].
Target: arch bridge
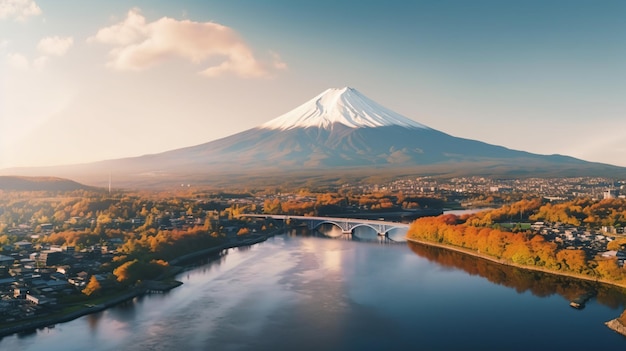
[347,225]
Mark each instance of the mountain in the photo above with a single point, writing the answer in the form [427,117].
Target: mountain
[344,106]
[340,131]
[18,183]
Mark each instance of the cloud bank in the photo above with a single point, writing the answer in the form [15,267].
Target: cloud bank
[139,45]
[18,10]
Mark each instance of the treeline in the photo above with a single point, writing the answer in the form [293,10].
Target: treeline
[578,212]
[91,212]
[521,248]
[339,202]
[607,212]
[516,211]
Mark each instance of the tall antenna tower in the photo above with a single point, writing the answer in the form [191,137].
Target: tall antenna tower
[109,182]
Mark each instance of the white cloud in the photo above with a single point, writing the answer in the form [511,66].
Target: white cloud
[4,44]
[140,45]
[18,60]
[55,46]
[21,62]
[49,46]
[18,10]
[133,29]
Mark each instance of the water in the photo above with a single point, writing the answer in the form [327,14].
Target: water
[310,293]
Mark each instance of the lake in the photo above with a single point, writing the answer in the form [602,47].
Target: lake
[296,292]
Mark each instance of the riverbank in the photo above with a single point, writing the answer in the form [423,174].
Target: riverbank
[616,326]
[228,245]
[47,321]
[517,265]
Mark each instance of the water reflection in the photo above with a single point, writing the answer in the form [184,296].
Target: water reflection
[538,283]
[93,320]
[365,233]
[330,230]
[360,233]
[397,234]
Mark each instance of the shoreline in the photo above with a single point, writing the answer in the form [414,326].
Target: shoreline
[616,326]
[44,322]
[516,265]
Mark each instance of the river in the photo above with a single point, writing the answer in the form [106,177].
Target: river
[309,293]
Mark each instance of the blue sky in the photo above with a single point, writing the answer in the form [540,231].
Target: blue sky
[86,81]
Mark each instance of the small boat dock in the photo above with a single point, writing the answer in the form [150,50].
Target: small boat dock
[580,301]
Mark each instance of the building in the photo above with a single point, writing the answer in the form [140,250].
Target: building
[6,260]
[611,193]
[23,245]
[49,258]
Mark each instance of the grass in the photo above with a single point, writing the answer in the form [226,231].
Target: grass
[510,225]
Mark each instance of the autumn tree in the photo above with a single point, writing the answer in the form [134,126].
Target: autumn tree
[93,287]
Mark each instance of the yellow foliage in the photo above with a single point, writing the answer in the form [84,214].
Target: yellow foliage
[92,287]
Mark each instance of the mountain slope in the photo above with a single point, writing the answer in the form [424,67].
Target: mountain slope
[18,183]
[338,131]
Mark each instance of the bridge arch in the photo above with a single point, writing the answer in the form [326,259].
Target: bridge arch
[366,232]
[339,230]
[397,234]
[375,227]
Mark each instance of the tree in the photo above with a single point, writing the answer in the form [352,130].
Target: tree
[122,272]
[92,287]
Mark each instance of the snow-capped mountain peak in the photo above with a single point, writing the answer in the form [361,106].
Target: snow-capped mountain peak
[345,106]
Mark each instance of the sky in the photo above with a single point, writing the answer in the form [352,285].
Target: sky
[84,81]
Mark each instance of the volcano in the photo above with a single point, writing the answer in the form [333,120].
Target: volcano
[339,130]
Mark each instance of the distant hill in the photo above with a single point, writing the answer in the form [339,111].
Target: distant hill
[18,183]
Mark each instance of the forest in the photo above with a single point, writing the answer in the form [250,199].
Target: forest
[484,234]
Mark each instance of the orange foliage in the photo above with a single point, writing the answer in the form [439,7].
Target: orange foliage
[92,287]
[520,248]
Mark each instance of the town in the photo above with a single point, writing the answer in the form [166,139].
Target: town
[61,251]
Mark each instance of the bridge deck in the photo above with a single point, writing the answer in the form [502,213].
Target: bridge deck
[330,219]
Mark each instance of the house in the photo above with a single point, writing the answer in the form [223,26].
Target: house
[6,260]
[23,245]
[538,225]
[50,258]
[7,281]
[609,254]
[39,299]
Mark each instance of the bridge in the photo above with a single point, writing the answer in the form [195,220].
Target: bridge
[391,230]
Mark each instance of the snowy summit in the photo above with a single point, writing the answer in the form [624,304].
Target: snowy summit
[344,106]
